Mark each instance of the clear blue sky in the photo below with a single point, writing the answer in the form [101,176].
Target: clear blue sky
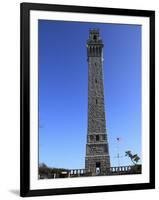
[63,85]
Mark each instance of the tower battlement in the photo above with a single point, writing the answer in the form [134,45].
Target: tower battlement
[94,38]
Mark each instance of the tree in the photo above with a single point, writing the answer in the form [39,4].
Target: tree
[134,158]
[42,165]
[48,172]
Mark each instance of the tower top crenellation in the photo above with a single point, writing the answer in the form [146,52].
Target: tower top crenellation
[94,37]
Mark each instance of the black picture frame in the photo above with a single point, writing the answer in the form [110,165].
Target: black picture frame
[25,9]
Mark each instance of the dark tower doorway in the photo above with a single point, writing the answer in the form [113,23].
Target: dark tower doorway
[97,168]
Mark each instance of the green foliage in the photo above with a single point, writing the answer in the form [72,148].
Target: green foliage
[46,171]
[134,158]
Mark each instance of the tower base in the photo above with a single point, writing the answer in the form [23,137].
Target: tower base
[97,165]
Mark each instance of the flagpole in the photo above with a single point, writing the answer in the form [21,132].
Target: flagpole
[118,156]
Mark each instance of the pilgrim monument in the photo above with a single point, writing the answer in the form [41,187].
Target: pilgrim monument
[97,160]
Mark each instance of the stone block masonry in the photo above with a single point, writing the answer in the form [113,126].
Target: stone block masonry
[97,160]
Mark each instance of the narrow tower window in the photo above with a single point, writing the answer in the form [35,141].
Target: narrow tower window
[95,37]
[96,101]
[97,137]
[91,138]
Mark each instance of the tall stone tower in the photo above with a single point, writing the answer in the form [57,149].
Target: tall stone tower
[97,160]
